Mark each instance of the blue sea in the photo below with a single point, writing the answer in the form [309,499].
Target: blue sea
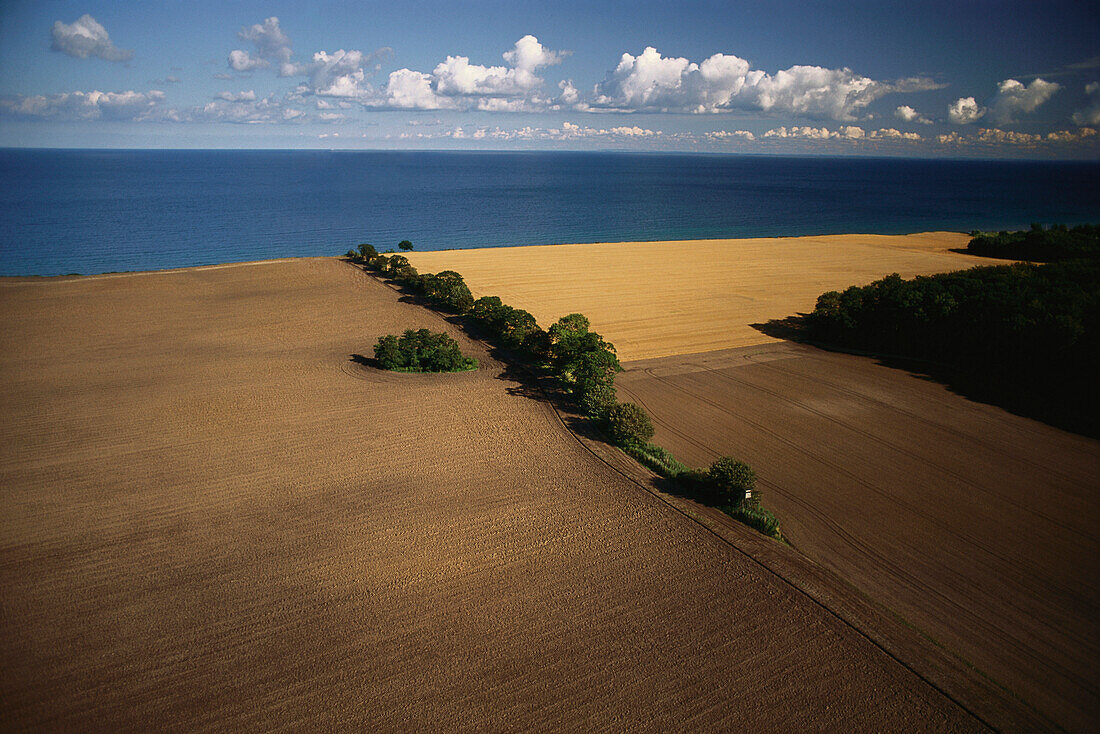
[94,211]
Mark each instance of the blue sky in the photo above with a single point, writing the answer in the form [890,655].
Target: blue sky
[921,79]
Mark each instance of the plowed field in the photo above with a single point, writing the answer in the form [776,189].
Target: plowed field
[977,526]
[212,517]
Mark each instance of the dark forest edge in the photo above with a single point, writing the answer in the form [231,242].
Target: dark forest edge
[1024,336]
[1037,244]
[583,365]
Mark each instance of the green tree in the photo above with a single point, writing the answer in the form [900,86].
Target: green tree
[629,425]
[734,482]
[405,245]
[367,251]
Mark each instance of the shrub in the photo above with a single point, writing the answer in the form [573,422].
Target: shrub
[758,518]
[732,481]
[447,289]
[421,351]
[598,400]
[629,425]
[659,460]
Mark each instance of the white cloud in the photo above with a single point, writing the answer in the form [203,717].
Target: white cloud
[847,133]
[804,131]
[724,82]
[249,96]
[890,133]
[85,37]
[908,114]
[1091,114]
[455,83]
[964,111]
[272,46]
[998,138]
[1014,98]
[412,90]
[723,135]
[94,105]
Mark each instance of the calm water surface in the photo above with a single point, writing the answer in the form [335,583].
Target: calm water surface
[89,211]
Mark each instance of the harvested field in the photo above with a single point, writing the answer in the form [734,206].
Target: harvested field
[655,299]
[975,525]
[213,518]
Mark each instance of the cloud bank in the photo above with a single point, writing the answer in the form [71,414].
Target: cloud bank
[722,82]
[1011,100]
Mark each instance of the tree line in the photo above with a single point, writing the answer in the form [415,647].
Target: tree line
[1037,244]
[584,364]
[1026,336]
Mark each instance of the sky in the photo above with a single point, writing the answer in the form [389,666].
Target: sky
[966,78]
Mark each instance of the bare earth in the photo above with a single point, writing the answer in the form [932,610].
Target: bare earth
[975,525]
[655,299]
[211,517]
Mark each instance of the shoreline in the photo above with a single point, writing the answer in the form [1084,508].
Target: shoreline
[32,277]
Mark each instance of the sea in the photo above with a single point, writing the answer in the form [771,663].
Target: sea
[97,211]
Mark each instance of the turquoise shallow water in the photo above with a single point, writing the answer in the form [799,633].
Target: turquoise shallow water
[90,211]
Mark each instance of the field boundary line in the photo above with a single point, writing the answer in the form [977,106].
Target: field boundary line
[996,696]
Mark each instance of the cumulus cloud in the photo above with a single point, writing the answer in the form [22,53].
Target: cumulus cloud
[725,82]
[1014,98]
[85,37]
[846,133]
[890,133]
[1091,114]
[94,105]
[964,111]
[249,96]
[724,135]
[272,46]
[246,108]
[998,138]
[908,114]
[456,83]
[1011,100]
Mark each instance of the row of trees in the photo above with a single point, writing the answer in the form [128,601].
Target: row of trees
[1039,245]
[585,365]
[421,351]
[1026,336]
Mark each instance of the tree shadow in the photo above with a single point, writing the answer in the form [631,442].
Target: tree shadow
[792,328]
[977,388]
[363,361]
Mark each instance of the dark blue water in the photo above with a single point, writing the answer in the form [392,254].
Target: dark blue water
[101,211]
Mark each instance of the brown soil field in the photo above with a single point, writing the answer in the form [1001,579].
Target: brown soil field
[655,299]
[977,526]
[213,518]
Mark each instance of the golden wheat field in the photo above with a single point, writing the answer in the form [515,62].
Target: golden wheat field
[655,299]
[213,516]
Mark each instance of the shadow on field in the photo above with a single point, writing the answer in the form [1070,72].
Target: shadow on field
[362,361]
[981,388]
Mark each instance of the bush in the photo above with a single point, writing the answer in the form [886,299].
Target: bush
[421,351]
[598,400]
[758,518]
[659,460]
[446,289]
[733,482]
[629,425]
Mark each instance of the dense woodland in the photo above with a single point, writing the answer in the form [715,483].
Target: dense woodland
[1039,245]
[1025,336]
